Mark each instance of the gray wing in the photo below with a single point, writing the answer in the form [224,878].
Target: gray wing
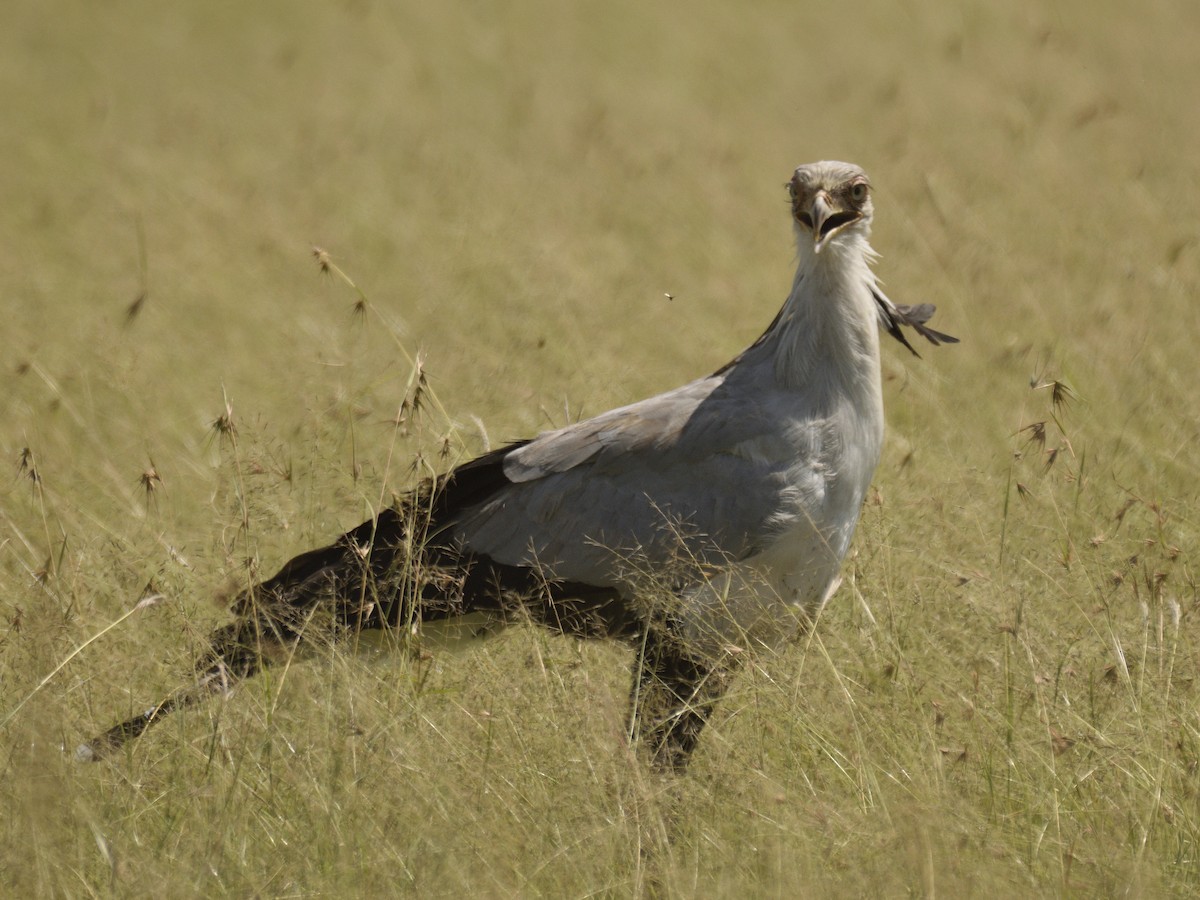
[700,469]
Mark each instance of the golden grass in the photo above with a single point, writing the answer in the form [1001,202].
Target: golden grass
[1000,700]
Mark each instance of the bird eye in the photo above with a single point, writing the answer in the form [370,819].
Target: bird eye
[858,191]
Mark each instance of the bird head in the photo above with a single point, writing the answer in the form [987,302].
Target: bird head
[829,199]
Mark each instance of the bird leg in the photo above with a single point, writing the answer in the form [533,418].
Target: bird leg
[674,692]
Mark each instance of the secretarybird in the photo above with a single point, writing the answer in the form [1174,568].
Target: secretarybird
[690,524]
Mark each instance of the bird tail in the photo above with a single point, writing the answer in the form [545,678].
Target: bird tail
[362,580]
[392,571]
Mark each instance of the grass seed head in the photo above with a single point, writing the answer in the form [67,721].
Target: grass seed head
[1036,432]
[1062,394]
[224,425]
[324,262]
[27,467]
[150,480]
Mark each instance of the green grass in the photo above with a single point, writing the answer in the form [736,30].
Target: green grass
[1001,699]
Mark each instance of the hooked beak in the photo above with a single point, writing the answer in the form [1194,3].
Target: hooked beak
[826,220]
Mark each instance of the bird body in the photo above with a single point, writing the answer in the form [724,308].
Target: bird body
[687,524]
[762,465]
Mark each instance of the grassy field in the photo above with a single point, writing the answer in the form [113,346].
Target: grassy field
[1000,701]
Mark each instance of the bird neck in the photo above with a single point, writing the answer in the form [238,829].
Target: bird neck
[826,340]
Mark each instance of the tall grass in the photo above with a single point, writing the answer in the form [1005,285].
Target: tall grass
[999,701]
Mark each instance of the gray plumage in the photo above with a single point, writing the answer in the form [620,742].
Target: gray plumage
[763,464]
[689,523]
